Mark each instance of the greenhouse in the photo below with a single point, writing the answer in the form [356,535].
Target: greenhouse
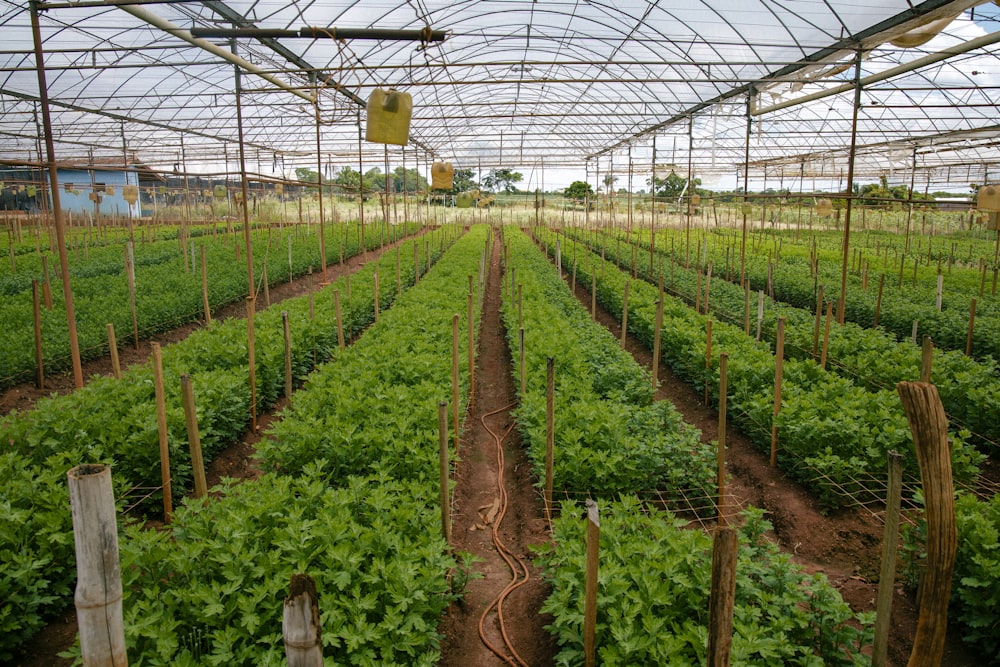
[500,333]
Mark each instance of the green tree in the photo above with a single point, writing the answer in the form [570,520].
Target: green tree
[502,180]
[374,180]
[346,181]
[414,181]
[670,187]
[579,191]
[464,180]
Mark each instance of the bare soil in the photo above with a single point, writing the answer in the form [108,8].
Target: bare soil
[476,497]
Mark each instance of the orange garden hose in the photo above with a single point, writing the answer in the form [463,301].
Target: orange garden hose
[519,571]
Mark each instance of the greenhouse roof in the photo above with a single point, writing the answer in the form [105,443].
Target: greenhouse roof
[573,83]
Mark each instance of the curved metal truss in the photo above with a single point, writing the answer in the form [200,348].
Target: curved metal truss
[593,85]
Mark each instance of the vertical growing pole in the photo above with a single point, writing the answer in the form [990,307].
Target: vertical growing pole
[550,391]
[929,426]
[287,335]
[590,589]
[161,429]
[779,359]
[204,287]
[340,321]
[98,594]
[887,575]
[454,376]
[116,367]
[194,438]
[444,470]
[722,597]
[625,315]
[656,340]
[721,454]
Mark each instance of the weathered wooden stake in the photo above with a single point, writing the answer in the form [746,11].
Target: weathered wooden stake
[819,318]
[929,426]
[288,353]
[826,335]
[972,324]
[721,453]
[887,575]
[444,470]
[161,429]
[98,594]
[746,308]
[625,314]
[550,392]
[722,597]
[454,376]
[878,301]
[656,340]
[926,359]
[340,323]
[204,287]
[760,312]
[779,361]
[708,356]
[376,294]
[252,361]
[524,383]
[116,367]
[300,623]
[194,438]
[590,587]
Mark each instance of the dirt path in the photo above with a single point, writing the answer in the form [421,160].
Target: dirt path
[23,396]
[845,545]
[475,497]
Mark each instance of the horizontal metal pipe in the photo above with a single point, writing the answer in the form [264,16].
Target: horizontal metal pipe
[312,32]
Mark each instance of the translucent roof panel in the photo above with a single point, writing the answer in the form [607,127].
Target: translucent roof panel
[515,82]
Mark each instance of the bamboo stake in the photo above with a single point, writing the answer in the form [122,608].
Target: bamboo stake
[721,453]
[722,597]
[708,356]
[37,319]
[779,359]
[926,359]
[887,575]
[929,426]
[340,322]
[300,623]
[470,338]
[826,335]
[972,324]
[454,376]
[746,308]
[444,470]
[116,367]
[161,429]
[204,287]
[98,595]
[590,588]
[625,314]
[288,353]
[550,390]
[656,340]
[194,438]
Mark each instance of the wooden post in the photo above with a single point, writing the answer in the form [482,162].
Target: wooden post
[913,334]
[708,281]
[887,575]
[416,263]
[267,288]
[721,453]
[340,323]
[656,341]
[708,356]
[573,282]
[972,324]
[697,294]
[926,359]
[39,359]
[470,338]
[550,392]
[204,287]
[288,353]
[116,367]
[454,375]
[760,312]
[940,291]
[300,624]
[252,360]
[590,587]
[826,335]
[929,426]
[779,360]
[46,283]
[625,314]
[376,294]
[98,594]
[593,297]
[878,301]
[161,428]
[746,308]
[819,318]
[722,597]
[444,471]
[194,438]
[522,369]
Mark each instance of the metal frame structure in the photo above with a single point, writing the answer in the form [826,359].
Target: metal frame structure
[513,84]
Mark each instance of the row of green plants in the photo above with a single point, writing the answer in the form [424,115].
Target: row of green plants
[610,436]
[833,434]
[349,496]
[166,295]
[611,441]
[114,421]
[976,587]
[795,283]
[969,388]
